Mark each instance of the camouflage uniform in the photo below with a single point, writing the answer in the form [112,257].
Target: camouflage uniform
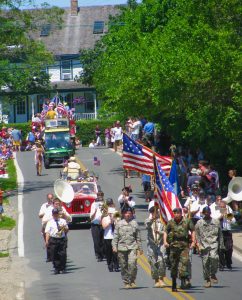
[127,241]
[210,239]
[178,238]
[155,252]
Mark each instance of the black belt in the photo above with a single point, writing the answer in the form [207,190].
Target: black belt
[55,238]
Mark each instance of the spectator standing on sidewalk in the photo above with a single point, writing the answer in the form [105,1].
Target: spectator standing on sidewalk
[98,136]
[118,135]
[16,135]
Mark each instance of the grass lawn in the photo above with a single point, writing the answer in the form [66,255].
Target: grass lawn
[7,223]
[4,254]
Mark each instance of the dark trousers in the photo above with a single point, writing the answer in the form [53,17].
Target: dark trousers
[97,236]
[112,258]
[58,252]
[225,256]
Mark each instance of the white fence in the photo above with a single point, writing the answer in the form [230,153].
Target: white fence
[84,116]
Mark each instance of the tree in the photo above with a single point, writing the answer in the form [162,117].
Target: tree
[178,62]
[23,60]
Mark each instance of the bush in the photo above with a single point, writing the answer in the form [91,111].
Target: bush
[86,130]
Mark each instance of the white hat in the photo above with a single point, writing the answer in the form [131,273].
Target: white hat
[151,204]
[72,158]
[193,171]
[85,186]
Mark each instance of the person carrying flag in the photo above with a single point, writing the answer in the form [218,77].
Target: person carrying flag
[155,253]
[176,237]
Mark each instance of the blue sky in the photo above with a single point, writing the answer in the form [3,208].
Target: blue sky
[66,3]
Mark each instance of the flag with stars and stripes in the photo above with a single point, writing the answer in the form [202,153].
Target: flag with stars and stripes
[165,193]
[61,109]
[140,158]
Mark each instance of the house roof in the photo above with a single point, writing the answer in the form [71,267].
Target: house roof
[77,31]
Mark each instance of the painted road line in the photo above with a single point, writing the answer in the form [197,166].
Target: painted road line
[167,281]
[147,270]
[20,182]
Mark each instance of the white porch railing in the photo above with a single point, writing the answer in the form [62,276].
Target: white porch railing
[85,116]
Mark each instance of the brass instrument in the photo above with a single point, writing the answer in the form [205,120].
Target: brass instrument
[234,190]
[226,215]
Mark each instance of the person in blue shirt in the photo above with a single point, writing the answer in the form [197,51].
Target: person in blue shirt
[146,182]
[148,132]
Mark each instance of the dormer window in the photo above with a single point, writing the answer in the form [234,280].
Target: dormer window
[98,27]
[45,30]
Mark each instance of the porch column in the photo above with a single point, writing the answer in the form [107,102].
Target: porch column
[95,105]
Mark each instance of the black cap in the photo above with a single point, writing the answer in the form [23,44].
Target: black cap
[109,201]
[127,208]
[177,210]
[55,211]
[206,209]
[194,187]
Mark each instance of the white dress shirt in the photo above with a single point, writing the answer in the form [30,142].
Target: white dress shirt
[52,229]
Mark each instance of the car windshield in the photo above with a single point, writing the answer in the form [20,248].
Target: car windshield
[58,140]
[84,188]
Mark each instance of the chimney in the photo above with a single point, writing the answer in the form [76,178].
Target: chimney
[74,7]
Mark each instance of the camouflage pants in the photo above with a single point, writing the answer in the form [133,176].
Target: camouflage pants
[156,261]
[179,258]
[128,265]
[210,262]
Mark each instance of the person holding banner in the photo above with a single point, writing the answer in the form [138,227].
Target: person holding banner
[176,237]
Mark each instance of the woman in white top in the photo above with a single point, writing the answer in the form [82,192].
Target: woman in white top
[38,158]
[118,135]
[108,223]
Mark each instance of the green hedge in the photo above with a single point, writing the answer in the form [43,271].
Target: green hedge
[86,129]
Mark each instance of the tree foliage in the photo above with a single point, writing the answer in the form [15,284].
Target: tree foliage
[177,62]
[22,59]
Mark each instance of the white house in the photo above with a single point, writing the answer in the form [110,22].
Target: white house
[82,27]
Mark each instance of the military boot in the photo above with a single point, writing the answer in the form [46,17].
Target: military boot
[207,284]
[183,283]
[214,279]
[174,289]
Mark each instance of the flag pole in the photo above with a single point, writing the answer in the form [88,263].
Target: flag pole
[155,188]
[124,178]
[155,168]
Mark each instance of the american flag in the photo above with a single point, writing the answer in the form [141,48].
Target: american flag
[42,114]
[140,158]
[166,196]
[61,108]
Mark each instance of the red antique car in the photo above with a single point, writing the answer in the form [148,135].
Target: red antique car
[85,194]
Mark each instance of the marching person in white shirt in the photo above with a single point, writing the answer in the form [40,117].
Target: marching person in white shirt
[56,230]
[96,227]
[108,225]
[125,199]
[43,209]
[224,214]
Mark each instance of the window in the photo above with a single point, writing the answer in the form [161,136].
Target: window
[66,70]
[21,107]
[45,30]
[98,27]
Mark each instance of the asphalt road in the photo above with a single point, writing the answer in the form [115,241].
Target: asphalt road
[85,278]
